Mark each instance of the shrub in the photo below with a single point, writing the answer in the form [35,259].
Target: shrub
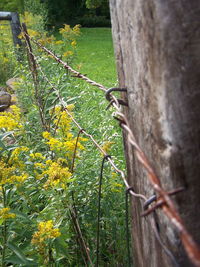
[93,21]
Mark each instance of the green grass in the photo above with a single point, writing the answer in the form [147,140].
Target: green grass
[95,55]
[95,58]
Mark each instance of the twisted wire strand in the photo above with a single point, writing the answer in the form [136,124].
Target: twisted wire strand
[168,207]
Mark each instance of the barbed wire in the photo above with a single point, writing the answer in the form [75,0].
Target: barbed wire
[129,189]
[164,199]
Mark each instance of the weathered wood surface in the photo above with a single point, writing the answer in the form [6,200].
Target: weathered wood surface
[16,28]
[157,48]
[13,17]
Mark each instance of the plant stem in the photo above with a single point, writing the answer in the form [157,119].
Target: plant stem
[4,231]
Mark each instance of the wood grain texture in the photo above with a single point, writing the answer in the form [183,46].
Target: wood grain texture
[157,48]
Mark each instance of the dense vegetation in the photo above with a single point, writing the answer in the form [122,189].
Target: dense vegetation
[43,194]
[90,13]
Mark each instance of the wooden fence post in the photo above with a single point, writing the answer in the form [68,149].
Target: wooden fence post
[157,51]
[13,17]
[16,29]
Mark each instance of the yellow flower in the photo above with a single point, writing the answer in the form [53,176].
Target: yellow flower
[73,43]
[76,29]
[68,53]
[9,172]
[33,33]
[37,156]
[20,178]
[39,165]
[70,107]
[59,42]
[45,232]
[49,162]
[5,214]
[15,157]
[57,175]
[115,186]
[107,146]
[46,135]
[5,60]
[11,120]
[5,173]
[65,29]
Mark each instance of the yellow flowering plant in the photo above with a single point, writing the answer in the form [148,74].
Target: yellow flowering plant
[36,171]
[63,142]
[41,239]
[38,181]
[5,214]
[67,44]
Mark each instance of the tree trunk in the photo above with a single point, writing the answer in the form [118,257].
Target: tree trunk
[158,60]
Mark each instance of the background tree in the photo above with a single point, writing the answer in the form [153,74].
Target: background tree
[12,5]
[88,13]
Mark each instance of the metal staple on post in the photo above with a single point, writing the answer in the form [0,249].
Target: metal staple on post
[166,203]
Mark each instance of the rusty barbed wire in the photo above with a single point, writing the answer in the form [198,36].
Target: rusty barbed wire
[129,189]
[165,202]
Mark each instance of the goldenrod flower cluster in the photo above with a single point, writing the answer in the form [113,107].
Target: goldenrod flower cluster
[63,146]
[63,120]
[69,36]
[17,157]
[11,120]
[68,53]
[114,184]
[13,171]
[65,143]
[57,174]
[45,231]
[36,156]
[70,32]
[6,214]
[9,174]
[107,146]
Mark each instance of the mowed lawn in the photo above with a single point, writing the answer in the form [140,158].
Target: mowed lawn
[95,55]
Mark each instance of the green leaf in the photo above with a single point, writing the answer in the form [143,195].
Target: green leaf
[14,260]
[18,252]
[21,215]
[2,136]
[61,246]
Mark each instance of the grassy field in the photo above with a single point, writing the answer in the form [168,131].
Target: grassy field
[42,151]
[95,55]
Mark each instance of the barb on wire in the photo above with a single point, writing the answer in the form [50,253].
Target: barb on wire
[167,205]
[154,198]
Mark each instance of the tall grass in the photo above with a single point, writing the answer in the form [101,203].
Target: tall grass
[95,55]
[35,200]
